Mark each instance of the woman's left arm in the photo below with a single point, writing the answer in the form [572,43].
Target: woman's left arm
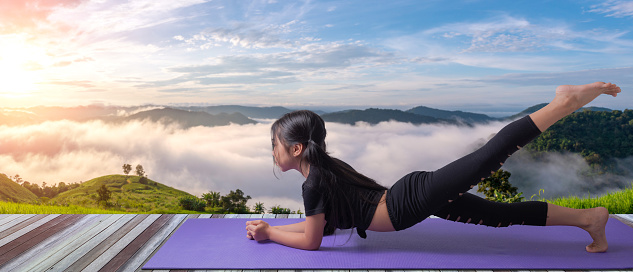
[308,240]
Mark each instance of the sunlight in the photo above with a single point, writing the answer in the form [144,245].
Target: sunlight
[17,62]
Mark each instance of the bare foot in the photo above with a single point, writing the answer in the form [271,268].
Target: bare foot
[577,96]
[597,219]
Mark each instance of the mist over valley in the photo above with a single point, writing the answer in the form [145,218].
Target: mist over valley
[223,148]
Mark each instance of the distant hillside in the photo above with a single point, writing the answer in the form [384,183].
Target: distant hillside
[127,195]
[375,116]
[190,118]
[11,191]
[251,112]
[460,116]
[596,135]
[537,107]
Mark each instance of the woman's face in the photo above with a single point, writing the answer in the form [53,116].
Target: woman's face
[283,159]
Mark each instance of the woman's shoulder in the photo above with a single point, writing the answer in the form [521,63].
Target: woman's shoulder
[313,180]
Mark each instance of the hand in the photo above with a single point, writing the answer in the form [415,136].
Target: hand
[257,230]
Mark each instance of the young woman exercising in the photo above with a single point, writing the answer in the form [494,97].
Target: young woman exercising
[336,196]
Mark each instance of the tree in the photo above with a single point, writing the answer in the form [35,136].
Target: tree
[103,194]
[212,199]
[235,202]
[497,187]
[62,187]
[139,171]
[143,180]
[127,168]
[259,207]
[18,179]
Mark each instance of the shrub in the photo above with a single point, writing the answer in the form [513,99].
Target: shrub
[192,203]
[279,210]
[497,188]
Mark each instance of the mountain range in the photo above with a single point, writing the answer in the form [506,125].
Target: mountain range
[234,114]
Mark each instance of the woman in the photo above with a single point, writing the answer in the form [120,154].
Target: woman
[336,195]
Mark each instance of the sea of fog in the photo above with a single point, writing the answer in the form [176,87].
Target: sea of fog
[225,158]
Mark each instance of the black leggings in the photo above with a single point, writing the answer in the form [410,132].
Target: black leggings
[420,194]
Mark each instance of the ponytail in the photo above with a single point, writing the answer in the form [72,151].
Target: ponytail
[337,178]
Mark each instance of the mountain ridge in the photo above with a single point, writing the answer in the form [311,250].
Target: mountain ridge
[234,114]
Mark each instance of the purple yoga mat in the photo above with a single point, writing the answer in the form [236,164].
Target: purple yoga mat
[431,244]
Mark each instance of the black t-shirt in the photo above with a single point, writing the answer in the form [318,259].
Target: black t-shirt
[364,202]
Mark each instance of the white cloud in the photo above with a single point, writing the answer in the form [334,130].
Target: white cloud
[105,18]
[202,159]
[310,62]
[614,8]
[512,43]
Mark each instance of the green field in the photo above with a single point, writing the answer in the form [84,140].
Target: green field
[21,208]
[620,202]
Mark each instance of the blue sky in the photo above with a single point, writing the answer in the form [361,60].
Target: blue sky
[485,56]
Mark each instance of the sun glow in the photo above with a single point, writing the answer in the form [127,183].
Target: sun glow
[19,63]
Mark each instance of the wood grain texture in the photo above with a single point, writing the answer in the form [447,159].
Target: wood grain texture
[124,255]
[32,238]
[104,245]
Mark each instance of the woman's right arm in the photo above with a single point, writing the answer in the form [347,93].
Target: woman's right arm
[296,227]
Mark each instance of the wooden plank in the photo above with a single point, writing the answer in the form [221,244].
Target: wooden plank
[19,225]
[230,216]
[270,215]
[244,215]
[114,250]
[72,257]
[153,244]
[120,259]
[19,232]
[218,216]
[294,215]
[282,216]
[42,250]
[18,246]
[70,244]
[27,229]
[9,219]
[103,246]
[257,215]
[625,218]
[205,216]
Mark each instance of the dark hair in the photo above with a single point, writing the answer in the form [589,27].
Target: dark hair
[337,178]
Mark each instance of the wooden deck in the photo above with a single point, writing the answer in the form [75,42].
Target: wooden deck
[96,242]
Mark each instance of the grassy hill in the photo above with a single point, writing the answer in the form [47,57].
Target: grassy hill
[128,195]
[13,192]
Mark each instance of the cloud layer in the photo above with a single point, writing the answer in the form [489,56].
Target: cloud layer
[202,159]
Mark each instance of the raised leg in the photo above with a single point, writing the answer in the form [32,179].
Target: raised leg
[570,98]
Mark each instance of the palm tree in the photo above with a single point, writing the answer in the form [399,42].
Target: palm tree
[259,207]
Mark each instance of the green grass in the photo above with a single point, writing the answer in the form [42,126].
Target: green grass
[620,202]
[21,208]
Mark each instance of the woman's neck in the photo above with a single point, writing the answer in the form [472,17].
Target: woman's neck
[305,170]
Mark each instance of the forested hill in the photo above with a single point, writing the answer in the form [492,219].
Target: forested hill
[11,191]
[596,135]
[374,116]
